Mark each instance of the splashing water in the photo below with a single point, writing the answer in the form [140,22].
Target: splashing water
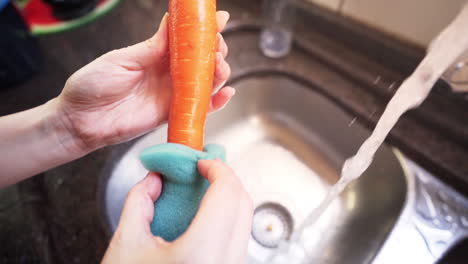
[443,52]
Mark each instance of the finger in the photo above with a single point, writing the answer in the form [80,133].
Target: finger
[138,210]
[217,214]
[222,72]
[221,98]
[237,252]
[216,224]
[147,53]
[143,54]
[236,249]
[133,242]
[222,18]
[213,170]
[221,45]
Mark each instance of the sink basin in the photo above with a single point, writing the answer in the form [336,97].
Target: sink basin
[287,144]
[287,137]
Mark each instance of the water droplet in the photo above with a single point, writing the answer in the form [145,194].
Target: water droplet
[442,196]
[377,80]
[464,221]
[449,218]
[445,207]
[352,122]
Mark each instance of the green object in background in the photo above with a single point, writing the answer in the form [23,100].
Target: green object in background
[41,20]
[183,186]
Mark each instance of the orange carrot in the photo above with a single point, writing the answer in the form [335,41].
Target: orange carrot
[192,44]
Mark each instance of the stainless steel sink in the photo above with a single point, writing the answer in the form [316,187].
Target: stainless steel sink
[287,141]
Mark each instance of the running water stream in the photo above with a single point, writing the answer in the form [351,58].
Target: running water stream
[443,52]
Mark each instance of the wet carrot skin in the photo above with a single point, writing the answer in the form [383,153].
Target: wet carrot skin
[192,42]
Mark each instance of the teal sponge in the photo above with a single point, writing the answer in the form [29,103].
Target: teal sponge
[183,187]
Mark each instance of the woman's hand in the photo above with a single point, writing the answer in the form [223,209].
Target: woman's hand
[219,233]
[126,92]
[121,95]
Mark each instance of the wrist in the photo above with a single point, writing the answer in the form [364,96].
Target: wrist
[34,141]
[64,133]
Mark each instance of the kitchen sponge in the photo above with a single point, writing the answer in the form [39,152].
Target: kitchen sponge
[183,186]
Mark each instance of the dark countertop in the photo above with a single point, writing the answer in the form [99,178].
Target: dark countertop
[55,217]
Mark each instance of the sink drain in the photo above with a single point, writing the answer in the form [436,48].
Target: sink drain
[272,223]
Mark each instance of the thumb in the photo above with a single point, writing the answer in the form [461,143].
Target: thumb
[138,210]
[143,54]
[218,210]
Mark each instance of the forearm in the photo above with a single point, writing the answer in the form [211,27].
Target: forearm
[34,141]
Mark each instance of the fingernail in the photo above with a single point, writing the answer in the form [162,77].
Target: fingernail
[218,39]
[223,46]
[220,36]
[225,66]
[226,14]
[163,20]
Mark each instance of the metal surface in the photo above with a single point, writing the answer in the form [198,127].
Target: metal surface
[435,218]
[287,141]
[271,224]
[287,144]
